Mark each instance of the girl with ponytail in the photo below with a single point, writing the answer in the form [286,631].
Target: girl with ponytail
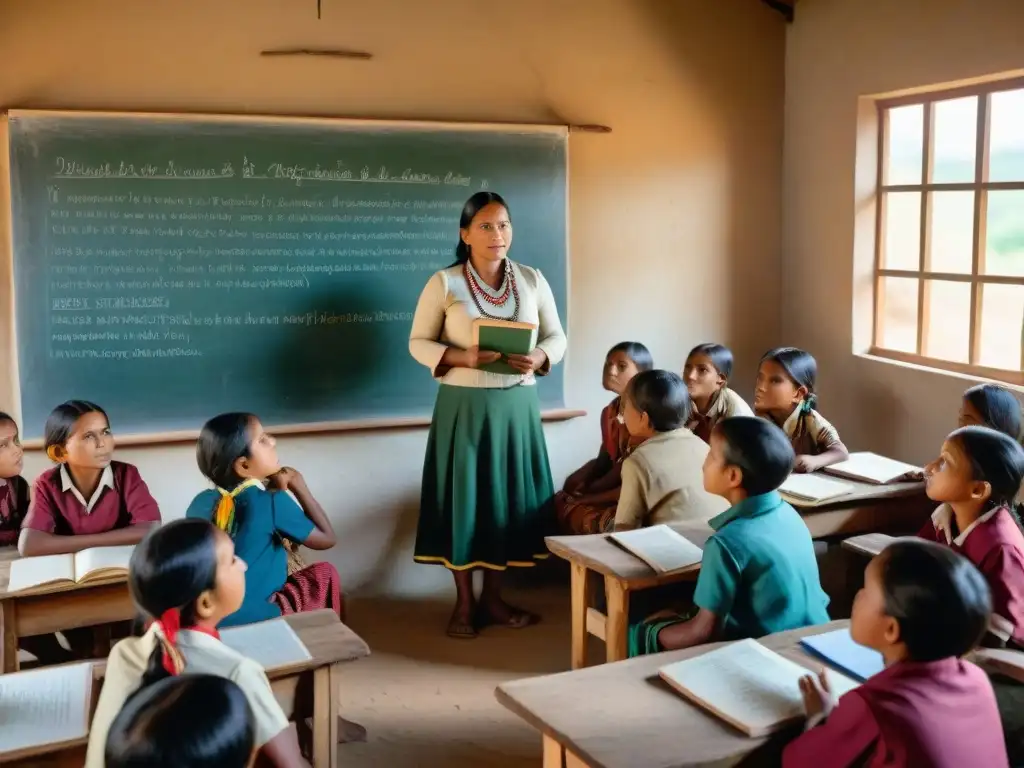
[248,503]
[186,578]
[784,394]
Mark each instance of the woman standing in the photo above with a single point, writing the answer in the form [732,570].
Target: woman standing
[486,480]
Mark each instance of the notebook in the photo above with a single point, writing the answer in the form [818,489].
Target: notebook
[660,547]
[78,568]
[869,544]
[271,643]
[45,706]
[503,336]
[839,650]
[812,488]
[755,690]
[871,468]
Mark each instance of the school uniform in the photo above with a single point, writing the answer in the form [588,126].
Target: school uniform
[940,714]
[203,654]
[995,544]
[663,482]
[724,405]
[265,518]
[13,507]
[758,575]
[121,499]
[809,432]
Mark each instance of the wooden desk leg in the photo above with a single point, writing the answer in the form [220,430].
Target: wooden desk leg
[579,604]
[553,753]
[325,749]
[8,636]
[335,702]
[616,641]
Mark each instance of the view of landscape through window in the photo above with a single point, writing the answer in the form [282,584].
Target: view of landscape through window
[927,274]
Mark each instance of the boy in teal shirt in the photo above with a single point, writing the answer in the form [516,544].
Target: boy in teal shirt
[759,574]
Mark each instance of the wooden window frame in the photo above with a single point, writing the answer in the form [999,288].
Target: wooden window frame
[981,186]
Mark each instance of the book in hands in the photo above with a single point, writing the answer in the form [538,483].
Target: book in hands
[82,567]
[813,489]
[660,547]
[755,690]
[839,649]
[506,337]
[871,468]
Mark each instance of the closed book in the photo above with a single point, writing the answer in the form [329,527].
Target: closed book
[506,337]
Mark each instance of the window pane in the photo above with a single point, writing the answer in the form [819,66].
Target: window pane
[898,322]
[906,134]
[949,321]
[1002,326]
[1006,140]
[952,231]
[902,230]
[955,135]
[1004,236]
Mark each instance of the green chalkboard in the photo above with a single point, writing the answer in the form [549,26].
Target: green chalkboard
[173,268]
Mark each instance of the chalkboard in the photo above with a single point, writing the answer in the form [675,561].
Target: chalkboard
[171,268]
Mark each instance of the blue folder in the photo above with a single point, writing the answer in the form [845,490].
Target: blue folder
[839,650]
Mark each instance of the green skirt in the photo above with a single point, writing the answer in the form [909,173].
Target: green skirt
[487,493]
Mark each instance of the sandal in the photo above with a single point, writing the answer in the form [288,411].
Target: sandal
[462,630]
[518,619]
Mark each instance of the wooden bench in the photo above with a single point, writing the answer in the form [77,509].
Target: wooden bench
[330,644]
[624,716]
[622,573]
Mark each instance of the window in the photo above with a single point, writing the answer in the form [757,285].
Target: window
[949,258]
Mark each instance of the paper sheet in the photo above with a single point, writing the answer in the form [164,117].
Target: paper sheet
[270,643]
[869,544]
[814,487]
[755,689]
[44,706]
[660,547]
[32,571]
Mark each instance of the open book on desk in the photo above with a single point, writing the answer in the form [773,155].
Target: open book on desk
[871,544]
[45,706]
[271,643]
[506,337]
[78,568]
[869,467]
[755,690]
[812,489]
[662,548]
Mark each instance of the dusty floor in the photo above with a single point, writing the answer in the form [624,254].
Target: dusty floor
[428,700]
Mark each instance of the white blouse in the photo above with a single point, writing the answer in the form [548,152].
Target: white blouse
[445,314]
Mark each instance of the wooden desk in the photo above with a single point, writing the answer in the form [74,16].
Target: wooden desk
[55,608]
[895,508]
[623,716]
[622,573]
[330,643]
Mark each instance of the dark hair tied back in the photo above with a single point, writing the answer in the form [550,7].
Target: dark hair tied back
[224,440]
[720,357]
[473,206]
[800,366]
[62,419]
[635,351]
[996,459]
[997,407]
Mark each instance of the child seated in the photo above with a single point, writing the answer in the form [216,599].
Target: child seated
[975,479]
[706,373]
[784,394]
[198,721]
[88,499]
[759,574]
[238,457]
[586,504]
[922,607]
[13,488]
[661,478]
[187,577]
[989,405]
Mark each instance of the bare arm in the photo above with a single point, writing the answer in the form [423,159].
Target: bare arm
[701,629]
[282,751]
[34,543]
[323,536]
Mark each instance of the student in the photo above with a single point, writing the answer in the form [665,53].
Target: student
[193,721]
[988,405]
[758,574]
[661,480]
[187,578]
[239,457]
[88,499]
[784,394]
[922,607]
[586,504]
[13,488]
[706,373]
[975,479]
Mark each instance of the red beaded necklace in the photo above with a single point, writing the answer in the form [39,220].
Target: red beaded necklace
[477,292]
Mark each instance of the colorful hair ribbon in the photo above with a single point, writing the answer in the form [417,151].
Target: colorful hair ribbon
[224,513]
[169,624]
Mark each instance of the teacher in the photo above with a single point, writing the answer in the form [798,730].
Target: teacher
[486,480]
